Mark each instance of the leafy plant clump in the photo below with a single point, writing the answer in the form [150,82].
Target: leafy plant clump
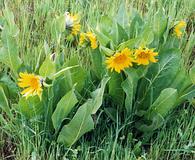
[134,70]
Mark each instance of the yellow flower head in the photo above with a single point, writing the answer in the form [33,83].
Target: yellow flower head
[82,39]
[145,55]
[72,23]
[178,28]
[92,39]
[120,60]
[31,83]
[88,37]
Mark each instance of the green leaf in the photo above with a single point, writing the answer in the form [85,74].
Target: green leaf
[105,25]
[122,17]
[181,80]
[136,25]
[106,51]
[31,107]
[9,53]
[4,105]
[57,27]
[115,90]
[122,34]
[98,64]
[158,110]
[11,87]
[132,43]
[147,36]
[163,104]
[129,86]
[160,22]
[47,68]
[97,95]
[102,38]
[81,123]
[159,76]
[63,108]
[78,75]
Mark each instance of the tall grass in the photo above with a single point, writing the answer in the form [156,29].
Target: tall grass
[174,141]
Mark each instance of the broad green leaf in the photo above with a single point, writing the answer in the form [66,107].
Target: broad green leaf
[63,108]
[11,87]
[105,25]
[129,86]
[9,53]
[187,94]
[132,43]
[181,80]
[136,25]
[147,36]
[159,76]
[115,90]
[10,25]
[158,110]
[4,105]
[57,27]
[78,75]
[31,107]
[160,22]
[102,38]
[47,68]
[163,104]
[122,34]
[106,51]
[122,17]
[81,123]
[114,34]
[98,64]
[97,95]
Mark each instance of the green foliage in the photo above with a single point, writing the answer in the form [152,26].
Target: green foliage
[4,102]
[82,121]
[78,89]
[64,107]
[9,53]
[47,68]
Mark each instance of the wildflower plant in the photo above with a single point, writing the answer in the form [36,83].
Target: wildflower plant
[148,76]
[135,69]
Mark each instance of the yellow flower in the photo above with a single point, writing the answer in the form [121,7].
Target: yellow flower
[72,23]
[31,83]
[82,39]
[88,37]
[92,39]
[178,28]
[75,29]
[120,60]
[145,55]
